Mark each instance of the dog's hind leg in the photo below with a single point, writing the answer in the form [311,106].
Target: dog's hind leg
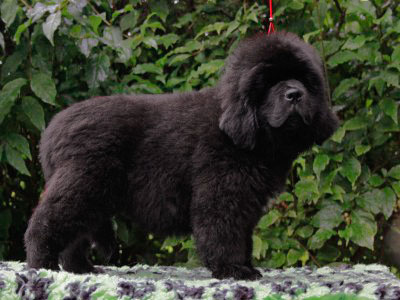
[104,241]
[78,200]
[75,257]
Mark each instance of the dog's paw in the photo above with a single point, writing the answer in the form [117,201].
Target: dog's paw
[98,270]
[51,265]
[238,272]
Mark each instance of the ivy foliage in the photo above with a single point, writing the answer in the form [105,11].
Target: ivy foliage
[340,196]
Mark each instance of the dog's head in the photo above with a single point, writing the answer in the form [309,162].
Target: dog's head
[275,83]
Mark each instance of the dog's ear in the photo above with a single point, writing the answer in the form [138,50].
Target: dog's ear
[240,124]
[239,118]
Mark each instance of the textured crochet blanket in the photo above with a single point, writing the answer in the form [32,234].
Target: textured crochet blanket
[359,282]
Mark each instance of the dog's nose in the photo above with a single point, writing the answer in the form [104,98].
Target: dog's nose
[293,95]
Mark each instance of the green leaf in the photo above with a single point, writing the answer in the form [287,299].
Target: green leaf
[189,47]
[304,257]
[351,169]
[362,149]
[34,111]
[211,67]
[342,57]
[388,202]
[395,172]
[97,70]
[396,187]
[277,260]
[378,83]
[355,43]
[376,180]
[218,27]
[389,107]
[129,21]
[329,216]
[20,30]
[338,135]
[94,22]
[391,78]
[116,14]
[76,31]
[305,231]
[43,86]
[153,26]
[328,253]
[396,54]
[172,82]
[371,201]
[326,182]
[86,45]
[320,163]
[36,12]
[309,35]
[257,247]
[344,86]
[306,189]
[147,68]
[8,95]
[8,10]
[151,42]
[286,197]
[252,16]
[51,25]
[13,62]
[346,234]
[319,238]
[296,5]
[338,192]
[19,143]
[178,58]
[361,8]
[232,27]
[112,36]
[355,123]
[160,7]
[14,159]
[293,256]
[169,39]
[172,241]
[270,218]
[363,228]
[184,20]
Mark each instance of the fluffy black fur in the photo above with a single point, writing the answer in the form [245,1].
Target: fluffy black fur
[203,162]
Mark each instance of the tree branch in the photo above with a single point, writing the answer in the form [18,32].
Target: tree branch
[341,18]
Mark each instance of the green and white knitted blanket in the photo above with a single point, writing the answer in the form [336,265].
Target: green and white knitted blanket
[359,282]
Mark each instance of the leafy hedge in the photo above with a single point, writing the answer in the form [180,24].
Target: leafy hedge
[339,197]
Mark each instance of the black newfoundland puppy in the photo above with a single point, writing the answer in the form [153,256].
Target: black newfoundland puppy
[203,162]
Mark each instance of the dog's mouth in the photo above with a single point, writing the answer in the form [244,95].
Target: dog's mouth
[303,113]
[294,122]
[295,114]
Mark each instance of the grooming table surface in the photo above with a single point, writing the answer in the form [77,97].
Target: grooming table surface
[357,282]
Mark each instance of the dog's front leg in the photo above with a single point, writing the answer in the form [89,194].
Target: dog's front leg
[224,212]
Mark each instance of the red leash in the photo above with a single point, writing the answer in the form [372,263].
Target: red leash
[271,27]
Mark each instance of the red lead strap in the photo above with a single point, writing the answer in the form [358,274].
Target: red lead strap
[271,27]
